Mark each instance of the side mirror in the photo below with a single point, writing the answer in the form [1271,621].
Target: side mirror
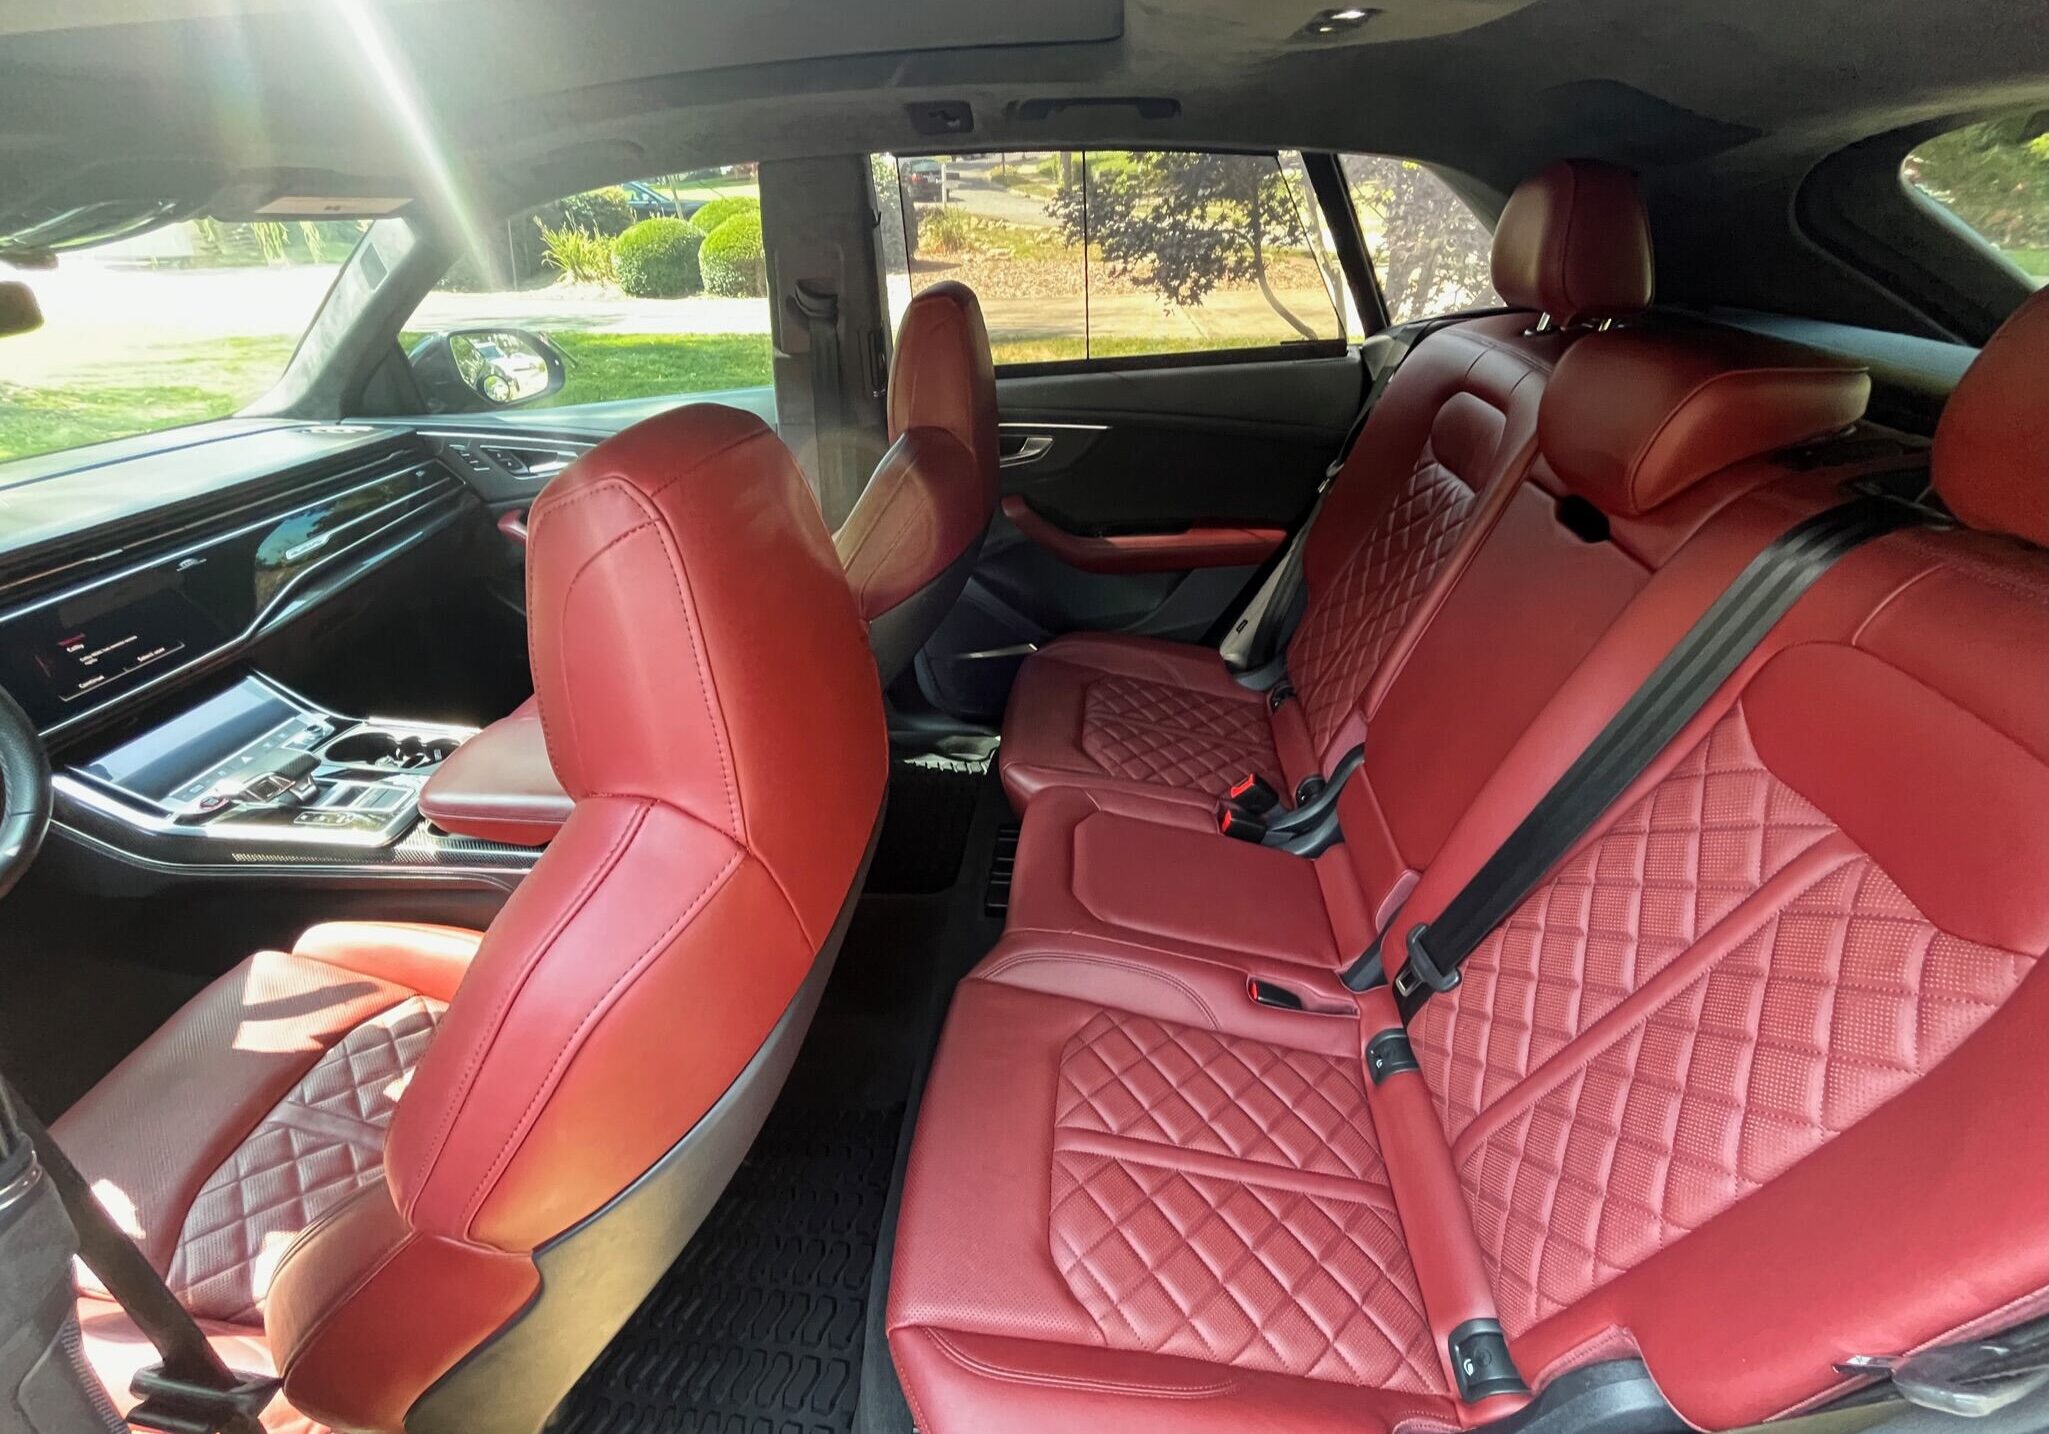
[469,370]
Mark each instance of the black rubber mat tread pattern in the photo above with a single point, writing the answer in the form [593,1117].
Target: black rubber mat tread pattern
[931,805]
[758,1328]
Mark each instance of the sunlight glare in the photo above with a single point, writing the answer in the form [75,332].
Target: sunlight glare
[395,84]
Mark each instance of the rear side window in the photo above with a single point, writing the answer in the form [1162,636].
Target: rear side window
[1994,177]
[1116,256]
[1429,252]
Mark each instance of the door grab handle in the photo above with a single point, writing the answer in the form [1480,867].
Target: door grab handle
[1033,447]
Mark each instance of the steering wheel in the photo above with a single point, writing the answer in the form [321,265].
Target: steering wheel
[24,792]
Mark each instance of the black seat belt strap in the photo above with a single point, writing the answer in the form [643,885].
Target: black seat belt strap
[1713,648]
[819,310]
[192,1390]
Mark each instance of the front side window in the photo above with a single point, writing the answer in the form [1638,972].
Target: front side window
[1994,177]
[1430,254]
[647,290]
[1106,255]
[183,324]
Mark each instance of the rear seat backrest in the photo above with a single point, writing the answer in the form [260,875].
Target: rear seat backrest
[1456,424]
[1644,436]
[1774,1037]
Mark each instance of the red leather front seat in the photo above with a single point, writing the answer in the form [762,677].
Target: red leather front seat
[430,1174]
[917,528]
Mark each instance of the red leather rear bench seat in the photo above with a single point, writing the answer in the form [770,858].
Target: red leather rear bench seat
[1651,453]
[1756,1079]
[1453,430]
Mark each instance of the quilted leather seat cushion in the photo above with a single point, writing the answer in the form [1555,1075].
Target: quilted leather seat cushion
[1164,719]
[257,1109]
[1165,1190]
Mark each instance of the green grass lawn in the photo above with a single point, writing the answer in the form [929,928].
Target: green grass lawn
[164,386]
[2034,262]
[603,366]
[172,385]
[1065,350]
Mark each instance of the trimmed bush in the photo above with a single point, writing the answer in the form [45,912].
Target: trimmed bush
[657,259]
[731,259]
[718,211]
[603,212]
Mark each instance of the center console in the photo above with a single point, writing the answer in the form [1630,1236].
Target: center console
[255,775]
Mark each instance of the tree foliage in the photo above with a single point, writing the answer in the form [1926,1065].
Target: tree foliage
[1994,176]
[1429,252]
[1182,223]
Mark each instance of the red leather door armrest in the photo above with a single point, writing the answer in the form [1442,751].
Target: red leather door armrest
[499,785]
[1145,552]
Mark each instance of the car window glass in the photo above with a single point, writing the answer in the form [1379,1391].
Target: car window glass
[1430,254]
[1109,254]
[989,222]
[183,324]
[1994,177]
[649,289]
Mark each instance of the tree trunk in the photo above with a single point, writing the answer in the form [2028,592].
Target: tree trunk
[1273,300]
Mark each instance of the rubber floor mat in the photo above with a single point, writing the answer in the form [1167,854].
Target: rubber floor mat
[931,803]
[757,1328]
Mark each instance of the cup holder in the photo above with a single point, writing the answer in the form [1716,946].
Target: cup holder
[388,751]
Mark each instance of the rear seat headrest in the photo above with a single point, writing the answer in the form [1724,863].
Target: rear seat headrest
[1634,417]
[1575,243]
[1991,460]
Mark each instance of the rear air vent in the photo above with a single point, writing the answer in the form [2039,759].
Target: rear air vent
[1002,863]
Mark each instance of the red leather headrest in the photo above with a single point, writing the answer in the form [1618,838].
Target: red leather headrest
[1634,417]
[1991,460]
[942,375]
[692,637]
[1574,243]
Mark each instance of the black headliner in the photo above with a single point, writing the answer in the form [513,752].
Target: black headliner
[1725,106]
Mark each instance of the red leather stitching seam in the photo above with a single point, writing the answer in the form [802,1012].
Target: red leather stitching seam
[459,1096]
[598,1008]
[1050,1381]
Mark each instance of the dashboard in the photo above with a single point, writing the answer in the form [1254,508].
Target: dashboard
[99,612]
[149,587]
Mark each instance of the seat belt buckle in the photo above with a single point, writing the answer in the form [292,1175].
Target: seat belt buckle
[178,1406]
[1420,970]
[1253,795]
[1278,698]
[1239,825]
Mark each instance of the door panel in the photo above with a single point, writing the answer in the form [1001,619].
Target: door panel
[1138,501]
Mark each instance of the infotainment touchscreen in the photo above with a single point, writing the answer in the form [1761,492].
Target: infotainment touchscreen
[104,650]
[60,658]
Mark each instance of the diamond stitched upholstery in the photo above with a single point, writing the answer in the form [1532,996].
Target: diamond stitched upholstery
[1817,1018]
[1614,915]
[1161,704]
[323,1142]
[1236,1272]
[1192,1089]
[1157,733]
[1236,1261]
[1347,629]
